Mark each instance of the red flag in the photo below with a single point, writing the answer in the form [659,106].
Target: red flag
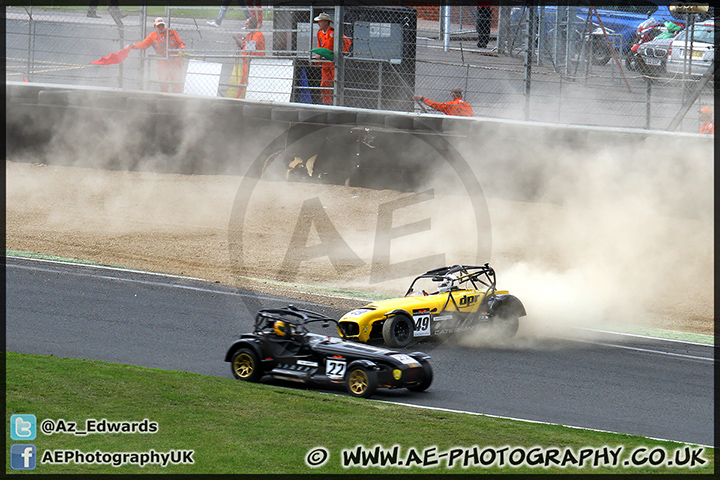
[113,58]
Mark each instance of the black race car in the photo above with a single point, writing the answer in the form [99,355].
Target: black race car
[282,346]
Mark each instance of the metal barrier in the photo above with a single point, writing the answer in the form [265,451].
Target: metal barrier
[395,53]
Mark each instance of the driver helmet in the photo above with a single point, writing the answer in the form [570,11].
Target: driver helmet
[279,328]
[448,282]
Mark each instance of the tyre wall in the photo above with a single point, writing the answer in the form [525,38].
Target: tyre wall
[136,130]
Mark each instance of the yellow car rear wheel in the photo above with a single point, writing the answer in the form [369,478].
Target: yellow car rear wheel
[506,322]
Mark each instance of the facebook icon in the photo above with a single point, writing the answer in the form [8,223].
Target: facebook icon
[22,457]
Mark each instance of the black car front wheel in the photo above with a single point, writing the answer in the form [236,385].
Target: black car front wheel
[398,331]
[361,382]
[245,365]
[427,378]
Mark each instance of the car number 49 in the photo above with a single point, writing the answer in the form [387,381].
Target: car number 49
[422,325]
[335,368]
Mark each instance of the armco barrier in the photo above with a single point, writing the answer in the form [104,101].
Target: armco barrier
[108,128]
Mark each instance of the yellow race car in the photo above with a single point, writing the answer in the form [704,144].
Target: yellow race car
[440,302]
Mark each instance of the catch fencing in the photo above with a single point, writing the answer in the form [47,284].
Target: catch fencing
[394,53]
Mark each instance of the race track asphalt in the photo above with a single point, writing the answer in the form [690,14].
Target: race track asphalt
[628,384]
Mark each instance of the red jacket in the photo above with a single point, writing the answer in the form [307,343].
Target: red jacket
[157,41]
[708,128]
[458,107]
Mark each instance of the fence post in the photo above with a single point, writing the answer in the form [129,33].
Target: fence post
[445,26]
[122,45]
[648,95]
[338,87]
[143,56]
[542,39]
[380,82]
[31,49]
[528,58]
[503,29]
[687,57]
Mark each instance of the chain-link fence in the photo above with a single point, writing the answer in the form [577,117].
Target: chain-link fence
[53,45]
[586,59]
[574,73]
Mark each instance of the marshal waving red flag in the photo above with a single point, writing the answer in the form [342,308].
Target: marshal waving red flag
[113,58]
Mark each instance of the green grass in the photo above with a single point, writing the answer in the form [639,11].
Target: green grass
[236,427]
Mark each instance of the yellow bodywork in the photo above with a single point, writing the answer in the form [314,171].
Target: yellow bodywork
[467,300]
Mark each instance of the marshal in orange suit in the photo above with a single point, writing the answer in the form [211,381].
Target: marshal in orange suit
[326,39]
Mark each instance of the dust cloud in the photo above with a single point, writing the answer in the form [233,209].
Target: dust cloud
[603,238]
[616,234]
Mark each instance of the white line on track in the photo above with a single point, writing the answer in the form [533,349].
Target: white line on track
[103,267]
[530,421]
[145,282]
[637,335]
[645,350]
[166,275]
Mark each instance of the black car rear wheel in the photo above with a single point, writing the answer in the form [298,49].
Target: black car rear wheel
[427,378]
[245,365]
[398,331]
[361,382]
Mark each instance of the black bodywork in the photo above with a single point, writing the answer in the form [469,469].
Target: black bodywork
[302,356]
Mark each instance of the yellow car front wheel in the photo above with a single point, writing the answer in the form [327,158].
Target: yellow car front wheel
[398,331]
[361,382]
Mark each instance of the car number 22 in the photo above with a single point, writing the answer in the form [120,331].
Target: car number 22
[335,368]
[422,325]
